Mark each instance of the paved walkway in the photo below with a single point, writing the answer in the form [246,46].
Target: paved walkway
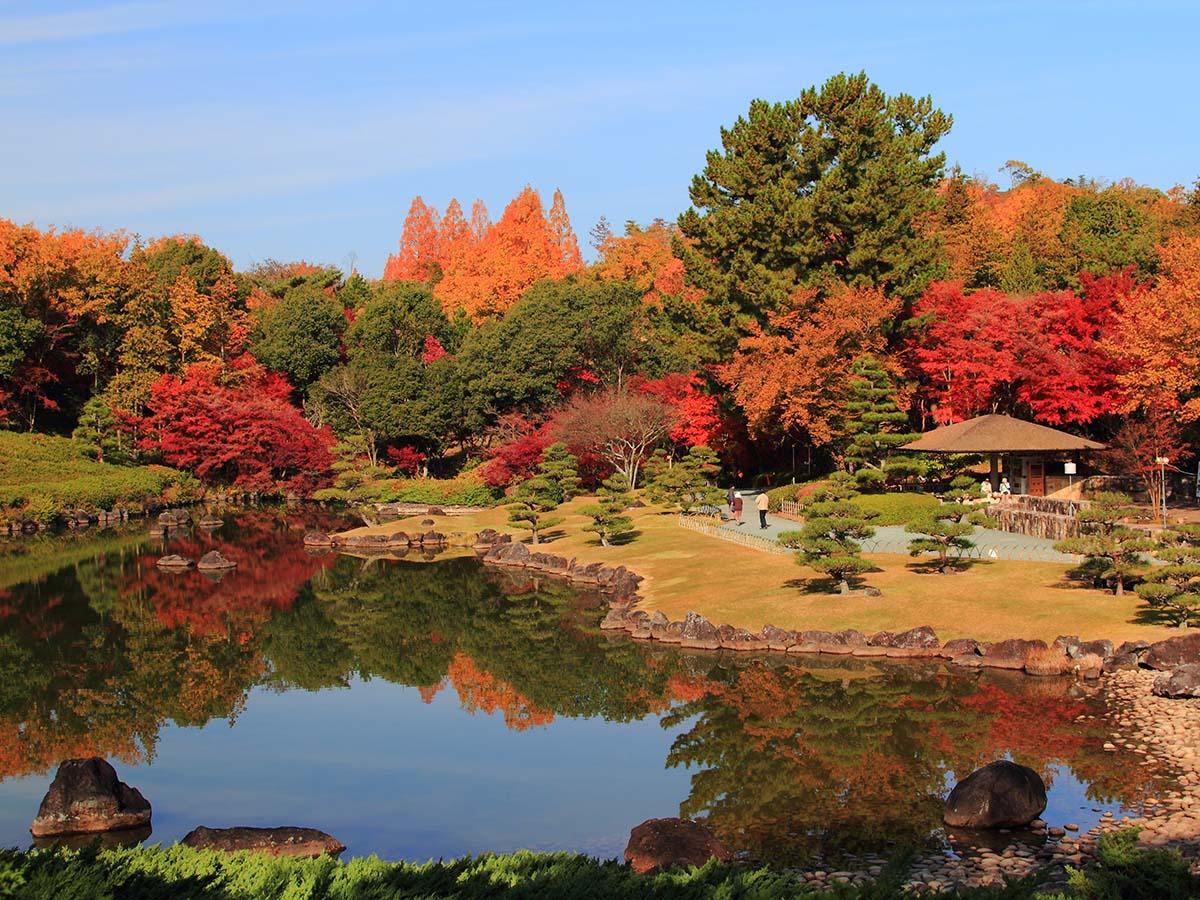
[989,543]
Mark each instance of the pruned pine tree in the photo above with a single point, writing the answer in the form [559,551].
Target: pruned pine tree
[607,514]
[530,503]
[684,484]
[1174,589]
[833,527]
[945,532]
[875,425]
[1112,550]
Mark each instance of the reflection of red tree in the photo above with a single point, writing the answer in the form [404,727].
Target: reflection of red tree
[1034,726]
[272,567]
[481,691]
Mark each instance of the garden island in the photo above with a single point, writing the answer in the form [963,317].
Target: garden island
[836,537]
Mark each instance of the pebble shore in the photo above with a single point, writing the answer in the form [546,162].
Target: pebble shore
[1164,733]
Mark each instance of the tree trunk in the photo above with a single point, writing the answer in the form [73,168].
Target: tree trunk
[1120,591]
[603,540]
[535,535]
[844,586]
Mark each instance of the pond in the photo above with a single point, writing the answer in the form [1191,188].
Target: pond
[421,709]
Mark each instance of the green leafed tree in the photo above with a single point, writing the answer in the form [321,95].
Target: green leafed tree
[300,335]
[875,424]
[831,184]
[608,520]
[686,483]
[1112,549]
[946,531]
[834,525]
[1174,589]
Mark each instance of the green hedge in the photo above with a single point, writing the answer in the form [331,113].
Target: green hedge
[465,490]
[897,508]
[1122,870]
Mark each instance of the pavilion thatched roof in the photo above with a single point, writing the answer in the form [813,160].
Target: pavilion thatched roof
[999,434]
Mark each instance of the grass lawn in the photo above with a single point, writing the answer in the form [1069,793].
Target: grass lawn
[686,571]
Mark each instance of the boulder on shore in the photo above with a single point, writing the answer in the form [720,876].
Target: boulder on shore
[664,843]
[214,560]
[1181,683]
[1173,652]
[174,561]
[86,797]
[1000,795]
[284,841]
[699,634]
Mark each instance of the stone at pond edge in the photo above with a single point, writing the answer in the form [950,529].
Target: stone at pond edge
[214,560]
[211,522]
[87,797]
[698,633]
[284,841]
[1181,683]
[1173,652]
[1000,795]
[665,843]
[317,539]
[174,561]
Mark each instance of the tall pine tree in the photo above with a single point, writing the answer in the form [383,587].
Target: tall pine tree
[830,185]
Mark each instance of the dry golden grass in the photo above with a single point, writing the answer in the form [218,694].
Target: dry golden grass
[686,571]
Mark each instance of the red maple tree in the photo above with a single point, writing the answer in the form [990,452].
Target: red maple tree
[235,424]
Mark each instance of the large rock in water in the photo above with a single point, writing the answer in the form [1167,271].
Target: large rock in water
[1000,795]
[665,843]
[285,841]
[1183,682]
[87,797]
[213,560]
[1174,652]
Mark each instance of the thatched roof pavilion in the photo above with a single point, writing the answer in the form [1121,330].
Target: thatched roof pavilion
[994,435]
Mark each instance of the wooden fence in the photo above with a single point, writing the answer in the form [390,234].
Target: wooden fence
[790,508]
[712,528]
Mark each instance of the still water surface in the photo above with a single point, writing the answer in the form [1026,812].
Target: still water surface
[421,709]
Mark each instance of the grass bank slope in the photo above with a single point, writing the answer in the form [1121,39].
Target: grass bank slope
[42,475]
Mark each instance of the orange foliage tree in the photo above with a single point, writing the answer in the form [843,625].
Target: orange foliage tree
[1158,335]
[794,374]
[481,268]
[645,257]
[417,258]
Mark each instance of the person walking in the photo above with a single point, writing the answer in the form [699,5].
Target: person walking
[729,498]
[763,503]
[737,507]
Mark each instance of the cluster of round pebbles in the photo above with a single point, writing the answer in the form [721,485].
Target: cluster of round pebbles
[1165,733]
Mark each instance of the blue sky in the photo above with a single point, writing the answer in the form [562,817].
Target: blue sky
[295,130]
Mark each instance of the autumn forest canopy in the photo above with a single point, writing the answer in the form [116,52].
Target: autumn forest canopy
[825,234]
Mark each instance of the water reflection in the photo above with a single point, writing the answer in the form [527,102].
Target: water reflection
[785,757]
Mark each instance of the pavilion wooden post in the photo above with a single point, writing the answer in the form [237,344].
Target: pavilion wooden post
[994,460]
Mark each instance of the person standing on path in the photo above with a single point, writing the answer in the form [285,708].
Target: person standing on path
[737,507]
[763,503]
[729,494]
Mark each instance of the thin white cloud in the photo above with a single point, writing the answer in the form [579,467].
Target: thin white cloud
[119,18]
